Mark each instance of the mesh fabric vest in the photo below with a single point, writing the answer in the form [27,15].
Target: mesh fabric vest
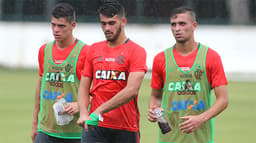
[59,80]
[186,93]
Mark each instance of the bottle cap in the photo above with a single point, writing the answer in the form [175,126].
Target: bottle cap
[59,97]
[154,107]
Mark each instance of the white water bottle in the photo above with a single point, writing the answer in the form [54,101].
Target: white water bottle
[61,117]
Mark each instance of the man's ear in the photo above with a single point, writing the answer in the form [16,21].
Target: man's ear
[124,21]
[73,24]
[195,25]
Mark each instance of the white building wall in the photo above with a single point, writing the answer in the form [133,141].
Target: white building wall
[20,42]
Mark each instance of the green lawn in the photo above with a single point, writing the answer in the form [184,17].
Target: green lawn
[17,87]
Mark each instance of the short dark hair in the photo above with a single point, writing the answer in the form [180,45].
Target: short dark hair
[64,10]
[184,9]
[110,8]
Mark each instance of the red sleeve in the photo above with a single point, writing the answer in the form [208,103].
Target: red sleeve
[158,71]
[214,69]
[41,60]
[81,61]
[138,60]
[88,70]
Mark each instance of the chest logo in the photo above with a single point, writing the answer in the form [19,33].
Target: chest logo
[198,72]
[120,59]
[110,75]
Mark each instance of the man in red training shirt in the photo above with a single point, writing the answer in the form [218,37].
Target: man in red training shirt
[115,68]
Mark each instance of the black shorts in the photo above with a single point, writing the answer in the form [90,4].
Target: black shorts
[107,135]
[44,138]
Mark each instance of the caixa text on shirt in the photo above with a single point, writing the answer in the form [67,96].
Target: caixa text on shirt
[188,105]
[60,77]
[52,95]
[184,87]
[110,75]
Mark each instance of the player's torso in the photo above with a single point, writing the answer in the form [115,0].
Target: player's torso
[110,74]
[110,68]
[186,93]
[59,80]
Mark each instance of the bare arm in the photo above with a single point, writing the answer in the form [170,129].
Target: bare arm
[125,95]
[155,100]
[36,110]
[191,123]
[220,104]
[84,100]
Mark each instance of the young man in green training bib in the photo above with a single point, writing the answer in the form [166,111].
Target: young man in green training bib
[60,64]
[182,79]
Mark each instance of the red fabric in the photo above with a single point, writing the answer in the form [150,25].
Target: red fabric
[104,58]
[214,68]
[60,55]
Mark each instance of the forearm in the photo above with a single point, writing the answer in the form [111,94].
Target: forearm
[220,104]
[155,98]
[118,100]
[37,103]
[125,95]
[83,102]
[83,95]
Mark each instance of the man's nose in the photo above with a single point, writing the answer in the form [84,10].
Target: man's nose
[107,27]
[177,27]
[56,29]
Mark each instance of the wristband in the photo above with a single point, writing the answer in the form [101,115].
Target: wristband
[94,121]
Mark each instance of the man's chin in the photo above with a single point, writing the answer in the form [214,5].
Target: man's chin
[180,40]
[57,39]
[110,39]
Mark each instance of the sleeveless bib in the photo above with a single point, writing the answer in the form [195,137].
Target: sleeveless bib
[186,93]
[59,80]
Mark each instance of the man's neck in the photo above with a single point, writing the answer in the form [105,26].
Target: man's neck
[65,43]
[186,48]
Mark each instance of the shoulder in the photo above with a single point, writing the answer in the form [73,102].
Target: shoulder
[160,56]
[42,48]
[84,48]
[210,51]
[98,44]
[135,49]
[212,54]
[213,60]
[134,45]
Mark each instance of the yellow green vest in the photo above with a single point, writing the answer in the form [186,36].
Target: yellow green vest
[59,79]
[186,93]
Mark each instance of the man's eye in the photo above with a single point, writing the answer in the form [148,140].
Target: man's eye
[111,23]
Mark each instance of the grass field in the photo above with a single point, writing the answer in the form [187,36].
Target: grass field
[17,87]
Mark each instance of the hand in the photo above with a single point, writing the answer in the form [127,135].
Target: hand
[71,108]
[34,132]
[81,122]
[151,115]
[190,123]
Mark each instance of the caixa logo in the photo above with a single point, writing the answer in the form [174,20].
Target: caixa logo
[52,95]
[187,105]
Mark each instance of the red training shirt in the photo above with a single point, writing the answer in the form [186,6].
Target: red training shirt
[214,68]
[109,68]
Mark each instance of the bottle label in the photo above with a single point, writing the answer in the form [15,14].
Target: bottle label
[61,119]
